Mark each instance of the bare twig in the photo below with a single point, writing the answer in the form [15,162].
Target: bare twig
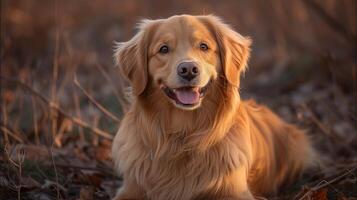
[333,23]
[65,125]
[7,132]
[327,131]
[54,100]
[78,111]
[55,169]
[20,156]
[75,120]
[104,110]
[327,183]
[34,120]
[122,100]
[95,139]
[313,117]
[13,132]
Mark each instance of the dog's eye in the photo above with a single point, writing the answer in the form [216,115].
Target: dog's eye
[164,49]
[203,46]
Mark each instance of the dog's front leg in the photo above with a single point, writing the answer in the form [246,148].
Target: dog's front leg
[246,196]
[236,186]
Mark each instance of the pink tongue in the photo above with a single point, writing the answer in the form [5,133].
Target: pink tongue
[187,96]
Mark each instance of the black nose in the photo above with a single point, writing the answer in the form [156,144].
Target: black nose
[188,70]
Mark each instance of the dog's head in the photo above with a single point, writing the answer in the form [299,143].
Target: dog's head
[182,57]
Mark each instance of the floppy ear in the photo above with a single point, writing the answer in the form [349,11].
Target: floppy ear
[132,58]
[234,49]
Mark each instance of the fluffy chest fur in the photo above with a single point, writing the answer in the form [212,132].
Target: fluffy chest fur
[172,170]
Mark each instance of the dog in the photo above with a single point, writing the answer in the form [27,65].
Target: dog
[187,134]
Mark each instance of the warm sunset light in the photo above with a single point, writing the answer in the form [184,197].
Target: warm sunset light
[178,100]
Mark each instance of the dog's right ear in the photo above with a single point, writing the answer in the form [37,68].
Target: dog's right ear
[132,57]
[234,49]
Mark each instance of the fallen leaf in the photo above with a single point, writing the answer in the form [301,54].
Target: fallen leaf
[87,193]
[320,195]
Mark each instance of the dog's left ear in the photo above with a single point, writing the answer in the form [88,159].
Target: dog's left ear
[132,57]
[234,49]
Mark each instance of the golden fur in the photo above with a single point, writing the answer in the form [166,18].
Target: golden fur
[221,148]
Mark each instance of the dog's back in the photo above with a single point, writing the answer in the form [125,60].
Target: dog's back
[280,150]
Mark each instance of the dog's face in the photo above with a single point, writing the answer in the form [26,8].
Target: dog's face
[183,59]
[183,56]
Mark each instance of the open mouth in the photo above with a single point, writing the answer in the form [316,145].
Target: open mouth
[187,97]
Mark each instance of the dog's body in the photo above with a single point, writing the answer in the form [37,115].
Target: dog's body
[188,135]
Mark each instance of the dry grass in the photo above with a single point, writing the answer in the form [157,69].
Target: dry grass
[62,99]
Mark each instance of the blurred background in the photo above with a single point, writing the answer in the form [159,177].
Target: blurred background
[62,98]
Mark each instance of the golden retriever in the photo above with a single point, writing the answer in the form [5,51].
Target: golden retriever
[188,135]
